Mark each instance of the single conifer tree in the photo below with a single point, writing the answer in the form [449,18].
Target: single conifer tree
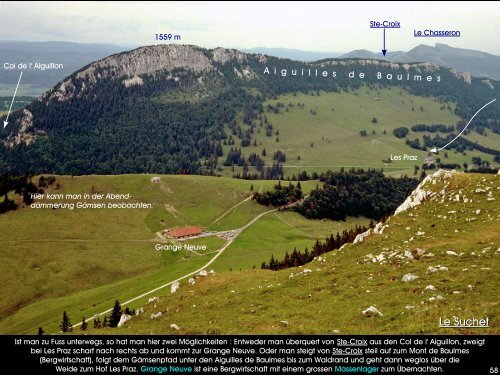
[116,315]
[84,325]
[65,323]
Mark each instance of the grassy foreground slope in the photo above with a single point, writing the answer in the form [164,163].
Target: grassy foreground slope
[81,260]
[456,226]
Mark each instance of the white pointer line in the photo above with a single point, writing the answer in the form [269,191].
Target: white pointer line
[435,149]
[6,122]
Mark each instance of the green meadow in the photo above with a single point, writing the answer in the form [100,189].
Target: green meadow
[318,133]
[81,260]
[461,235]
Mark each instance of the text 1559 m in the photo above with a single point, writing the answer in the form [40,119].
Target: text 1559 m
[167,37]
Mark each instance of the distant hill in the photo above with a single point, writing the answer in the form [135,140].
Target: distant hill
[397,56]
[72,55]
[363,54]
[293,54]
[479,64]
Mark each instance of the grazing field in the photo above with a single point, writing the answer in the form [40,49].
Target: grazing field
[450,242]
[277,233]
[324,131]
[81,260]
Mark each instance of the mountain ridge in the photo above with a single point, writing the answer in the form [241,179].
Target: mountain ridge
[125,88]
[292,54]
[478,63]
[75,55]
[148,59]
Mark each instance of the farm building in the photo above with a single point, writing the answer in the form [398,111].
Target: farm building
[429,160]
[155,180]
[184,232]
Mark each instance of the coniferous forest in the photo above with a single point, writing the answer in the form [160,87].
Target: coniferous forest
[22,186]
[176,121]
[299,258]
[354,193]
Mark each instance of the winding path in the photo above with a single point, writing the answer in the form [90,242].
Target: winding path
[219,253]
[232,208]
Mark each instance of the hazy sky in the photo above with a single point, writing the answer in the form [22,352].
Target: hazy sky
[309,26]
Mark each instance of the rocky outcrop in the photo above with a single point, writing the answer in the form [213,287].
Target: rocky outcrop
[420,193]
[175,285]
[144,60]
[361,237]
[124,319]
[25,134]
[371,312]
[134,81]
[130,66]
[225,55]
[466,76]
[419,67]
[488,83]
[147,60]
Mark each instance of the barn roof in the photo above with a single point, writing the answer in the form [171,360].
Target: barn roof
[185,231]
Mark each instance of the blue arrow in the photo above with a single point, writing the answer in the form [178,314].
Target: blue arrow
[384,51]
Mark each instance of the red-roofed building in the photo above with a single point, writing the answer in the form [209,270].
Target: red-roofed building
[184,232]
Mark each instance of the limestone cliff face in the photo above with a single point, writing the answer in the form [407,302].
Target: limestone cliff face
[25,133]
[466,76]
[129,66]
[488,83]
[146,60]
[224,55]
[419,67]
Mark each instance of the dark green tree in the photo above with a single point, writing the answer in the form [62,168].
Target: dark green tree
[65,323]
[84,325]
[116,314]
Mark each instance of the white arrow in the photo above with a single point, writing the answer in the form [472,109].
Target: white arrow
[6,122]
[435,149]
